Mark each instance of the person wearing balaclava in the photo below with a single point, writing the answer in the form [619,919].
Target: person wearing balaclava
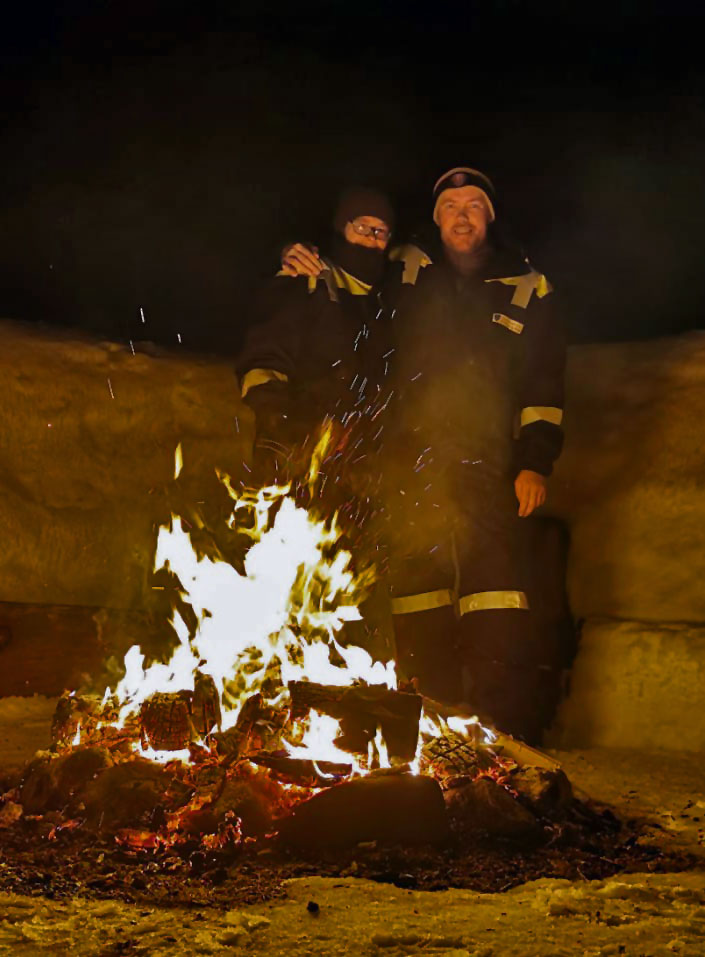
[313,352]
[471,436]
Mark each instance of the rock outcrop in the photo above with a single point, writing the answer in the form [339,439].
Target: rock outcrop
[631,489]
[89,435]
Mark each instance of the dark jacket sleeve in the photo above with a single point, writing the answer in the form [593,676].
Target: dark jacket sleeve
[541,390]
[268,367]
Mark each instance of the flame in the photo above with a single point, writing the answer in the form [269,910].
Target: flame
[278,622]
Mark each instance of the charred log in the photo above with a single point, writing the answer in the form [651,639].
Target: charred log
[234,741]
[361,710]
[303,772]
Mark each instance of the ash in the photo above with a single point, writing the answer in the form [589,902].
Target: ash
[634,889]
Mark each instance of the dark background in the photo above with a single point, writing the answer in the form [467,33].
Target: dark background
[155,155]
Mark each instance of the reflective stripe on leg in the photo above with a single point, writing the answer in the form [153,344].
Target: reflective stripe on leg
[423,602]
[491,600]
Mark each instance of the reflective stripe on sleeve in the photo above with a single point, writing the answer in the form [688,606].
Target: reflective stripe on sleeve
[492,600]
[257,377]
[423,602]
[541,413]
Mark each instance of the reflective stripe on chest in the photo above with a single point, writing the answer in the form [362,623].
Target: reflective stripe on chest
[512,324]
[525,286]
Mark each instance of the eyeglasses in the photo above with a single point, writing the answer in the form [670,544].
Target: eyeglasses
[378,232]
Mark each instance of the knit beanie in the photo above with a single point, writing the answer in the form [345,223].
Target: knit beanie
[464,176]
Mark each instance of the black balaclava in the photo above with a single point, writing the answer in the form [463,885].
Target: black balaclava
[364,262]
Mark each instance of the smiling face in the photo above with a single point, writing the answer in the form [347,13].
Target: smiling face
[463,215]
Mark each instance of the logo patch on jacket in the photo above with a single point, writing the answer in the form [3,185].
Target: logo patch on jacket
[512,324]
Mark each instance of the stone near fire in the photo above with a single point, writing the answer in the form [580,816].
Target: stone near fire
[393,808]
[546,792]
[485,806]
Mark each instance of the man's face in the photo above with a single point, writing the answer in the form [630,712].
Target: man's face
[463,216]
[368,231]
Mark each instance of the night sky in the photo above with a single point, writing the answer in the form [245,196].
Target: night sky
[155,156]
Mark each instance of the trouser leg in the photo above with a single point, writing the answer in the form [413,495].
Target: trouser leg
[500,674]
[427,651]
[499,650]
[424,610]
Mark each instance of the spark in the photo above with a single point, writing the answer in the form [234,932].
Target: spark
[132,347]
[110,386]
[142,314]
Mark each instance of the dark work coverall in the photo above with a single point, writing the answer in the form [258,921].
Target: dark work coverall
[314,351]
[478,373]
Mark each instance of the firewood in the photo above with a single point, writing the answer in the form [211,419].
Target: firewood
[301,771]
[362,709]
[233,742]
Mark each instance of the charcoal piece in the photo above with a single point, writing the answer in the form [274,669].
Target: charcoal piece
[396,809]
[486,806]
[545,792]
[50,784]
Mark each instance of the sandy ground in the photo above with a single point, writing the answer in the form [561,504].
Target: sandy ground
[641,915]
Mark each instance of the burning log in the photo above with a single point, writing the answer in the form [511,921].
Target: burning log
[73,712]
[305,773]
[205,704]
[395,808]
[452,754]
[171,721]
[361,710]
[166,723]
[234,741]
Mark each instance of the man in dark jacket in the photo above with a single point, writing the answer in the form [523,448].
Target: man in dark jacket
[477,373]
[478,369]
[315,350]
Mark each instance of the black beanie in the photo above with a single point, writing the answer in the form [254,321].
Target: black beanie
[464,176]
[361,201]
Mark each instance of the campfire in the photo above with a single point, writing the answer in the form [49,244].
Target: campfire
[264,720]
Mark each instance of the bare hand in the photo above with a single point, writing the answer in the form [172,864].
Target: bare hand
[301,260]
[530,488]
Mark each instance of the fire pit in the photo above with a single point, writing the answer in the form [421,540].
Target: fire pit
[266,733]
